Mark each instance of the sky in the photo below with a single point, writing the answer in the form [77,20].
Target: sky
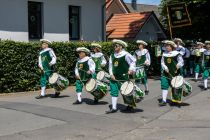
[152,2]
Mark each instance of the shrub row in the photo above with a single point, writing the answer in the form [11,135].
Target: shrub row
[19,62]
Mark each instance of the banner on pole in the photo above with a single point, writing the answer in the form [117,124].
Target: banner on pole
[178,15]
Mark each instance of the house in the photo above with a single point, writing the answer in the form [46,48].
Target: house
[134,26]
[134,7]
[56,20]
[115,7]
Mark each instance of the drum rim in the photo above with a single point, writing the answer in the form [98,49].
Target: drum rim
[131,90]
[181,83]
[100,74]
[50,78]
[93,87]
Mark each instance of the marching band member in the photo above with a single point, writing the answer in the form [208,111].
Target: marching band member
[198,59]
[181,50]
[171,63]
[84,70]
[98,57]
[142,57]
[206,64]
[121,64]
[47,60]
[192,58]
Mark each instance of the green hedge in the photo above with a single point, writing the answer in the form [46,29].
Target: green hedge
[19,62]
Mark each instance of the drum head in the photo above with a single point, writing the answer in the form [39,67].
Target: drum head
[90,85]
[177,81]
[127,88]
[53,79]
[100,75]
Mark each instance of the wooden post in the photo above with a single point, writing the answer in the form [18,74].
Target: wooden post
[169,24]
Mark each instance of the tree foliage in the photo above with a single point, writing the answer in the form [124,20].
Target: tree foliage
[199,11]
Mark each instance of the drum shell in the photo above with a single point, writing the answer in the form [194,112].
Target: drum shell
[129,99]
[61,83]
[140,72]
[187,89]
[106,77]
[99,91]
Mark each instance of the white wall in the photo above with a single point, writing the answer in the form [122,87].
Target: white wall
[14,19]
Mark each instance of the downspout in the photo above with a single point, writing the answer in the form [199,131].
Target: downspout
[103,21]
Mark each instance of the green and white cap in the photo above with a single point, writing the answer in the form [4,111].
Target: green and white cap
[96,45]
[83,49]
[120,42]
[45,41]
[169,43]
[141,42]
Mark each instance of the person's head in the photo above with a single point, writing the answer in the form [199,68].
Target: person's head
[178,41]
[119,45]
[96,47]
[141,44]
[207,45]
[199,45]
[83,52]
[45,43]
[170,45]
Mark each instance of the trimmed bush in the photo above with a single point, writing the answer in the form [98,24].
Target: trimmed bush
[19,62]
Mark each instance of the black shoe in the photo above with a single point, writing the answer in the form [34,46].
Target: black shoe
[56,95]
[146,92]
[40,97]
[111,111]
[77,102]
[162,103]
[95,101]
[205,88]
[196,80]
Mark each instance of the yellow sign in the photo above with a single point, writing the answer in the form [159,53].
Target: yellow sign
[169,60]
[116,63]
[80,66]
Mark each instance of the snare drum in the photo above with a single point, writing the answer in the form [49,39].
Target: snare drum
[177,89]
[96,88]
[103,76]
[59,82]
[140,93]
[187,88]
[140,72]
[128,92]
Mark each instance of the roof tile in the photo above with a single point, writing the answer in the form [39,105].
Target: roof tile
[126,25]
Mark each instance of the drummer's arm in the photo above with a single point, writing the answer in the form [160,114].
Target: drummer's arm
[132,63]
[77,72]
[180,62]
[53,56]
[40,63]
[164,67]
[110,69]
[92,66]
[148,59]
[103,62]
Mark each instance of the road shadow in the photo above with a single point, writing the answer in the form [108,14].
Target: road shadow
[122,109]
[173,104]
[91,102]
[60,96]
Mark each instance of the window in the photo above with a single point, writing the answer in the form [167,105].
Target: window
[35,20]
[74,22]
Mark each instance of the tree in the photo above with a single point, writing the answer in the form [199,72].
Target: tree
[199,11]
